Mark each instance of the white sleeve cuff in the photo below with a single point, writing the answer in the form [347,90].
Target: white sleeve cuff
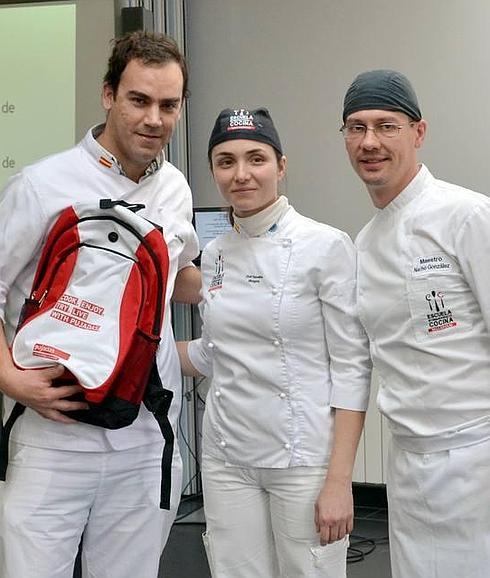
[199,357]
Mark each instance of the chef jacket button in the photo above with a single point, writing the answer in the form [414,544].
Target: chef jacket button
[217,393]
[285,244]
[222,444]
[276,342]
[274,290]
[287,446]
[210,345]
[282,395]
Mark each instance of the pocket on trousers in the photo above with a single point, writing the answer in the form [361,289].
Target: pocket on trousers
[330,561]
[207,546]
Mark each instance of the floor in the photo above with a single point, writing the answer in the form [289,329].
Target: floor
[368,556]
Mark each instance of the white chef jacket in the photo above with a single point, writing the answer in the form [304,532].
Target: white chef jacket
[424,300]
[282,340]
[29,205]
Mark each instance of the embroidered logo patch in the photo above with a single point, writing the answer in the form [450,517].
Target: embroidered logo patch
[217,280]
[439,317]
[241,120]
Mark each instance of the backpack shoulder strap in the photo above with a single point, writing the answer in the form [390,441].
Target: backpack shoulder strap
[158,401]
[17,411]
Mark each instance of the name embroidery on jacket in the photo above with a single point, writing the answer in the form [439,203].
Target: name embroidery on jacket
[439,263]
[253,279]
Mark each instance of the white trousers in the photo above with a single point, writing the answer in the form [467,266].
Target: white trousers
[439,512]
[51,497]
[260,523]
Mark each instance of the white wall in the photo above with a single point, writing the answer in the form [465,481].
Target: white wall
[298,58]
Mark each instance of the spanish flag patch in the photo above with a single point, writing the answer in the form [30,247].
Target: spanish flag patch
[105,162]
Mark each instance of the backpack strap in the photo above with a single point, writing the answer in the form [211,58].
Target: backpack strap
[158,401]
[109,204]
[17,411]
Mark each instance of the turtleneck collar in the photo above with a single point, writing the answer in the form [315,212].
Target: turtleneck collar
[263,221]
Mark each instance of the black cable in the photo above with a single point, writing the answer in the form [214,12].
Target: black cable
[197,383]
[182,434]
[188,395]
[361,547]
[194,477]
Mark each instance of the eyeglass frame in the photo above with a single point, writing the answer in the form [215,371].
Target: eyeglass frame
[374,129]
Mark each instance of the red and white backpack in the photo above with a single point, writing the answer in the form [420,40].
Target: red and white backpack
[96,307]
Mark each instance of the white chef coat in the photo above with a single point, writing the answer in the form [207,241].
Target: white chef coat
[29,205]
[423,294]
[282,340]
[424,300]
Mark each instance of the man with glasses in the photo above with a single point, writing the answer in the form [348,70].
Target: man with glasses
[424,300]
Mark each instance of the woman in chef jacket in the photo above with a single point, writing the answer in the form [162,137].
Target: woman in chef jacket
[290,370]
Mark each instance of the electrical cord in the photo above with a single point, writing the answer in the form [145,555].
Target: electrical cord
[182,436]
[188,396]
[197,382]
[186,443]
[361,547]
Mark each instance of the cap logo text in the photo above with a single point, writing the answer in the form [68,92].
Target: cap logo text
[241,119]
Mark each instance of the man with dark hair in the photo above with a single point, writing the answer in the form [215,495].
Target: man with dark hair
[142,46]
[424,300]
[66,478]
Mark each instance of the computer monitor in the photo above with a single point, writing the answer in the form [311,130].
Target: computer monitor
[210,222]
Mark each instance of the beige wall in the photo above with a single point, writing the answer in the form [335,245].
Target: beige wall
[298,58]
[95,29]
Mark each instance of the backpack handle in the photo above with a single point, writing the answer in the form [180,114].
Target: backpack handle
[109,204]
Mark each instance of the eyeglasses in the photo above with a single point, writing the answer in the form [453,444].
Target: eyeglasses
[381,130]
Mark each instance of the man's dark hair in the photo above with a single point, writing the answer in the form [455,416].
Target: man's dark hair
[150,48]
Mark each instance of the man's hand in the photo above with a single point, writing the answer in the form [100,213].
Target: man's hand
[34,389]
[334,512]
